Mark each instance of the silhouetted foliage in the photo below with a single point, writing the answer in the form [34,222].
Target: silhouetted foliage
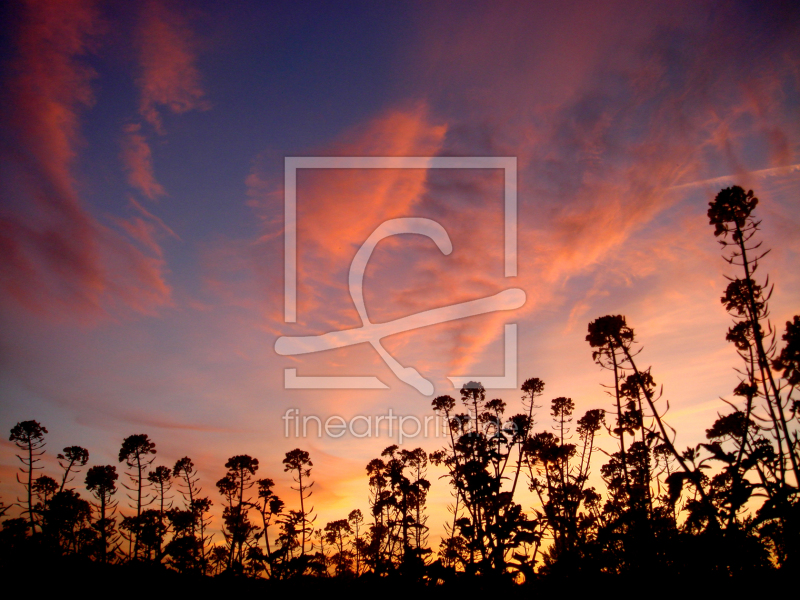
[561,486]
[765,450]
[239,532]
[726,507]
[71,460]
[299,464]
[190,524]
[269,507]
[137,452]
[29,437]
[398,494]
[483,444]
[101,482]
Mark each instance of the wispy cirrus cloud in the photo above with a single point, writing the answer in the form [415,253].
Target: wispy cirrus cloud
[168,81]
[59,256]
[169,78]
[339,208]
[138,161]
[602,144]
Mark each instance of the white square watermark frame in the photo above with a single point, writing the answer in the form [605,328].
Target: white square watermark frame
[509,165]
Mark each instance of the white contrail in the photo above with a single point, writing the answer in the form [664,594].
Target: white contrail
[728,178]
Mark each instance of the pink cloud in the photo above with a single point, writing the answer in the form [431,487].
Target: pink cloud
[169,75]
[164,227]
[138,161]
[61,257]
[339,208]
[603,130]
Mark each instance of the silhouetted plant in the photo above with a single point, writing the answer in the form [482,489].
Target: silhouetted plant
[66,523]
[337,534]
[44,488]
[161,480]
[151,529]
[482,445]
[270,506]
[398,503]
[636,529]
[138,453]
[29,437]
[763,439]
[561,487]
[378,549]
[731,214]
[299,464]
[101,482]
[183,550]
[197,508]
[788,361]
[608,335]
[218,558]
[14,536]
[648,519]
[71,460]
[358,544]
[284,563]
[239,532]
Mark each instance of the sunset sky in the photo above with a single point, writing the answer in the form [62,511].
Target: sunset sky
[142,211]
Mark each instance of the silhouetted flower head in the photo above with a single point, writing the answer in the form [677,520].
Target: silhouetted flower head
[731,205]
[788,360]
[135,445]
[610,331]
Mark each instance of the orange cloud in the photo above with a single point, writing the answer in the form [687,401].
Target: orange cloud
[154,219]
[603,132]
[60,257]
[339,208]
[138,161]
[169,75]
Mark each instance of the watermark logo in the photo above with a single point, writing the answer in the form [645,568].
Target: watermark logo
[373,333]
[391,425]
